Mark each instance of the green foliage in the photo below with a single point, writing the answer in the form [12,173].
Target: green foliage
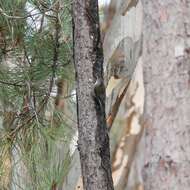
[35,52]
[45,162]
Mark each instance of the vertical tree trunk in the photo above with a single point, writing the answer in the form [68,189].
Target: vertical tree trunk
[167,85]
[93,140]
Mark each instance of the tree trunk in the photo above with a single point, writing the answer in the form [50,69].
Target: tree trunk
[93,140]
[167,84]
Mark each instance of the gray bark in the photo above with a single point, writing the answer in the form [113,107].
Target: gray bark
[167,75]
[93,140]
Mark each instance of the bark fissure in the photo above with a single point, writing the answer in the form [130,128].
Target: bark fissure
[93,140]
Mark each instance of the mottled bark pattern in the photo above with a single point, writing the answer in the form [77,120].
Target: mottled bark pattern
[167,84]
[93,140]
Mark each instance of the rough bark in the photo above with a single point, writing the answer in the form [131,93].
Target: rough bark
[167,75]
[93,142]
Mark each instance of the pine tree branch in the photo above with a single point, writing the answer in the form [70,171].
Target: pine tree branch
[54,67]
[2,12]
[11,84]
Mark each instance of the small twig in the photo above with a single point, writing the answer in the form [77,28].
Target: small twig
[2,12]
[41,23]
[16,17]
[69,96]
[56,53]
[26,55]
[54,185]
[11,84]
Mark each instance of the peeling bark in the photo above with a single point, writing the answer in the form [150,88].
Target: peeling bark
[123,48]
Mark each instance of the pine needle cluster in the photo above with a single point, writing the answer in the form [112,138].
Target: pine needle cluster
[35,56]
